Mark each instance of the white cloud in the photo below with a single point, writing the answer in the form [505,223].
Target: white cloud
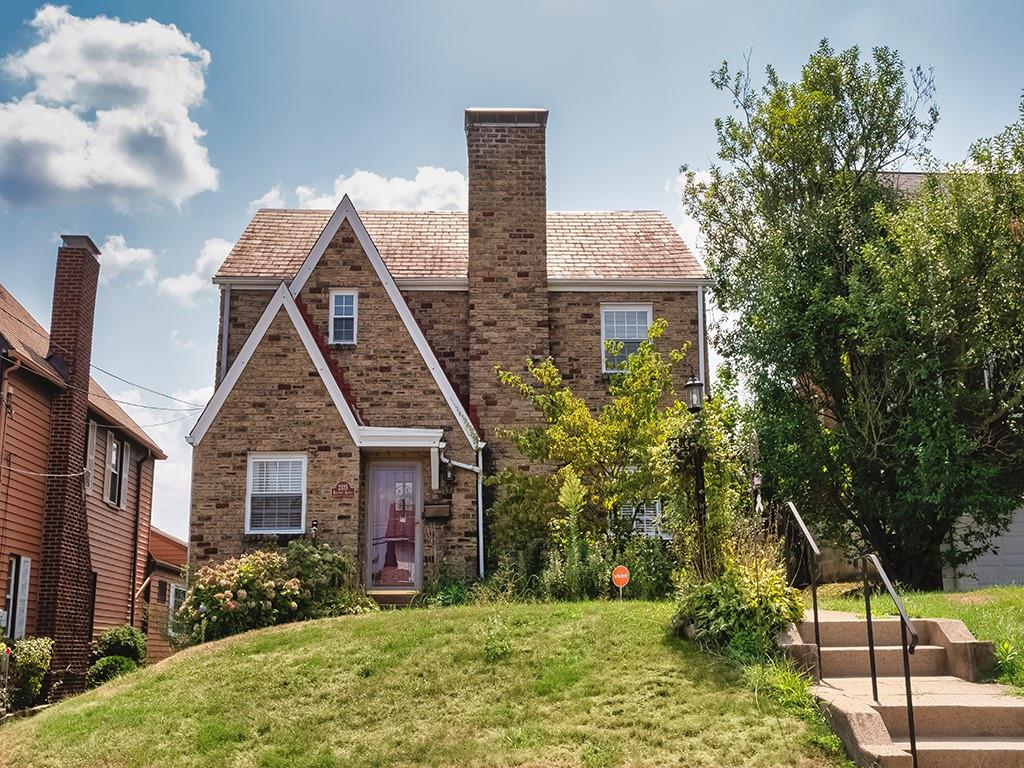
[172,477]
[117,257]
[433,189]
[272,198]
[106,112]
[688,227]
[185,288]
[179,342]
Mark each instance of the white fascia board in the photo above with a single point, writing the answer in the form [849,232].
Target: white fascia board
[433,283]
[644,285]
[347,211]
[400,437]
[281,298]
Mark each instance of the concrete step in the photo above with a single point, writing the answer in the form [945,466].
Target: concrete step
[853,632]
[984,718]
[854,661]
[967,752]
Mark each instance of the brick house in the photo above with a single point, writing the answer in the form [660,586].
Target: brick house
[76,476]
[356,397]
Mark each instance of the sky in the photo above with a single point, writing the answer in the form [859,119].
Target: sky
[157,128]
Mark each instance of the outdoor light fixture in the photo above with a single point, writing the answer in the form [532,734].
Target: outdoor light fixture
[694,391]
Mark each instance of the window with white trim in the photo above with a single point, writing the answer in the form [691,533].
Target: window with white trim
[646,519]
[344,315]
[177,598]
[626,324]
[115,485]
[276,497]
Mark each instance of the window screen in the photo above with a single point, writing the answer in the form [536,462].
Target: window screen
[627,325]
[277,489]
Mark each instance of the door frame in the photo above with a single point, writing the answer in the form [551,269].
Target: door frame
[417,468]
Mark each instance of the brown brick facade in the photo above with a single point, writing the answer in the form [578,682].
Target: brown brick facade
[576,335]
[65,597]
[508,297]
[443,316]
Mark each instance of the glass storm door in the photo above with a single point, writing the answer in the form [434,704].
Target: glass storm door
[394,526]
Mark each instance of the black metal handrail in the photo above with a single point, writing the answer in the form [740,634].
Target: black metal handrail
[812,568]
[906,625]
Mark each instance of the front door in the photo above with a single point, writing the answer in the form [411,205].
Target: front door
[394,517]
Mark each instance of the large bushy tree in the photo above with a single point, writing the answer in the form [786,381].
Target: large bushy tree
[866,323]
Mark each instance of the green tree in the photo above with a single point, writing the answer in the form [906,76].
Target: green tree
[863,362]
[614,452]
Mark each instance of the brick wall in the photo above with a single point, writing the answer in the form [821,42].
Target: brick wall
[576,335]
[443,316]
[385,372]
[278,404]
[64,591]
[508,298]
[246,307]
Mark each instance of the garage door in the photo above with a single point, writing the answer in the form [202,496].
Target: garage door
[1006,566]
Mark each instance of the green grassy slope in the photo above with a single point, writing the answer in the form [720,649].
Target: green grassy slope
[595,684]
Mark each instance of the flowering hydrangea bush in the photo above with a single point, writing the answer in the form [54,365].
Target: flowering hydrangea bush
[243,593]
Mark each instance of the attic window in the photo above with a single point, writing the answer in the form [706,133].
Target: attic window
[344,312]
[625,323]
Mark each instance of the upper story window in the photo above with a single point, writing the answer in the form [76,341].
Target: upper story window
[115,486]
[344,313]
[625,323]
[276,498]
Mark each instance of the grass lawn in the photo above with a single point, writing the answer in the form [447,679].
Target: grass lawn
[995,613]
[585,684]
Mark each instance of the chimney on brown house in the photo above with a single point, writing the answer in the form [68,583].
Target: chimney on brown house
[508,295]
[65,585]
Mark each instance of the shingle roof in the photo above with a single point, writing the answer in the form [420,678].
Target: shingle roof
[435,244]
[30,343]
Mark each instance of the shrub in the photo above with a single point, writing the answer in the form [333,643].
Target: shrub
[744,609]
[509,582]
[322,571]
[650,568]
[447,589]
[239,594]
[126,641]
[345,602]
[109,667]
[30,663]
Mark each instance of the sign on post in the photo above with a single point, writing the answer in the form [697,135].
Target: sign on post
[620,577]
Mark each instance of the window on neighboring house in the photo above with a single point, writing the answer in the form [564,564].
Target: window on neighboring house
[177,598]
[646,519]
[19,571]
[161,591]
[115,486]
[276,501]
[625,323]
[344,311]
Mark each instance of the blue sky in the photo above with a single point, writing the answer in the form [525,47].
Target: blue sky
[254,100]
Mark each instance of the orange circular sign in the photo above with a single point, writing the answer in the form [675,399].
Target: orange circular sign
[620,576]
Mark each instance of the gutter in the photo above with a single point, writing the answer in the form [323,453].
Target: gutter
[135,533]
[5,389]
[478,468]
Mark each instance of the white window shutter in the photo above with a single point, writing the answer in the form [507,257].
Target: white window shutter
[90,456]
[22,610]
[126,461]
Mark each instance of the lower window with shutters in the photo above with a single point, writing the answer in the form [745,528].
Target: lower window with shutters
[646,519]
[276,498]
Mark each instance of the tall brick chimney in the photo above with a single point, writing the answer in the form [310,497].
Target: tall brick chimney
[65,585]
[508,297]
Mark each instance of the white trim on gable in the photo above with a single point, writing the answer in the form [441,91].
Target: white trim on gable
[362,436]
[347,211]
[281,298]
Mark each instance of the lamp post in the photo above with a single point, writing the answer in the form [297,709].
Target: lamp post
[694,393]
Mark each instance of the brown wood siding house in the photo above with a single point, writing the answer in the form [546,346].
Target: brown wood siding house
[115,499]
[164,589]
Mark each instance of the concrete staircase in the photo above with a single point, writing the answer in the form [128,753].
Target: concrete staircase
[960,723]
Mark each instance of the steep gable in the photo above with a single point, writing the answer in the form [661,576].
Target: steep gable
[394,374]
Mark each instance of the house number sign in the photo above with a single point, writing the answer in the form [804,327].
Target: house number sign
[343,490]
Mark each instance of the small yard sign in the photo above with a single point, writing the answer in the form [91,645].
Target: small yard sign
[620,577]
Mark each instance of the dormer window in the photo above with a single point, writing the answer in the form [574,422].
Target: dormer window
[625,323]
[344,312]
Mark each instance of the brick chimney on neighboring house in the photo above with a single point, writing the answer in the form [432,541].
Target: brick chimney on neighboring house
[508,295]
[65,598]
